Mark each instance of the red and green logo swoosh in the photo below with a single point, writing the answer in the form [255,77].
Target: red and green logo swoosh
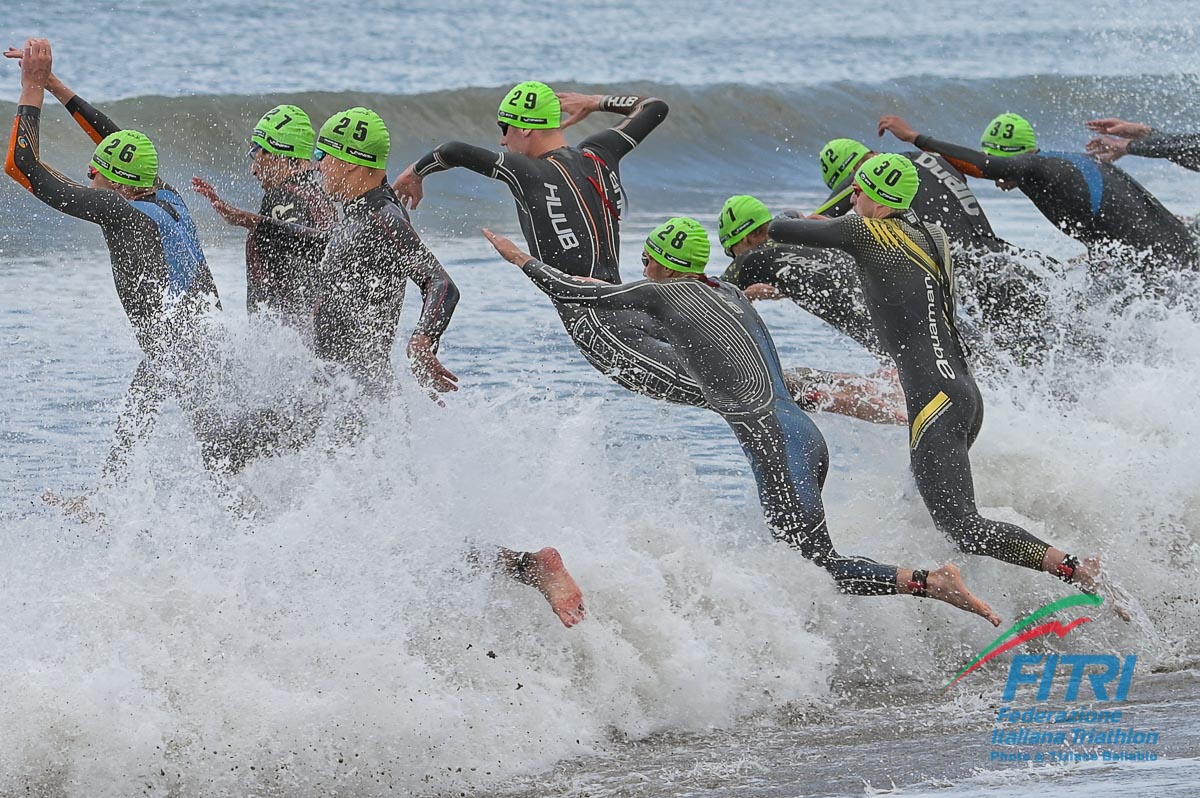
[1026,630]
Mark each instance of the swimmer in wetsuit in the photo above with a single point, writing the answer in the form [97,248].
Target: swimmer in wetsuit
[280,262]
[158,265]
[1011,297]
[361,290]
[905,267]
[825,286]
[369,257]
[1120,138]
[569,199]
[1098,204]
[679,320]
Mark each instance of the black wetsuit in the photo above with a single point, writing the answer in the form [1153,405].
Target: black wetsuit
[821,282]
[707,335]
[1096,203]
[570,200]
[360,286]
[280,262]
[906,272]
[1180,148]
[993,274]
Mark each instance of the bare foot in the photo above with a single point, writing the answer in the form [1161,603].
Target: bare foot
[946,584]
[548,574]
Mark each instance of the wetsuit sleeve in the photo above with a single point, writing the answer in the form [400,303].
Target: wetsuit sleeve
[456,153]
[438,290]
[576,291]
[1183,149]
[749,268]
[815,232]
[93,121]
[309,236]
[52,187]
[643,115]
[979,164]
[97,125]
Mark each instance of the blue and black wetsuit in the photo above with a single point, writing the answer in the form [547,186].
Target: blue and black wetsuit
[907,278]
[160,274]
[1096,203]
[158,264]
[701,343]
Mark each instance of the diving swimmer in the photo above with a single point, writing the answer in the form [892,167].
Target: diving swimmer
[1096,203]
[905,268]
[679,321]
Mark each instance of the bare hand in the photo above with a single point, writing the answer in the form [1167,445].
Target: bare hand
[428,370]
[507,249]
[14,52]
[1119,127]
[760,291]
[409,187]
[816,216]
[578,106]
[898,128]
[37,63]
[1107,148]
[228,212]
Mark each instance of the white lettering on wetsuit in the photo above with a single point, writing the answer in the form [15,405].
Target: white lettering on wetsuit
[943,365]
[562,227]
[956,187]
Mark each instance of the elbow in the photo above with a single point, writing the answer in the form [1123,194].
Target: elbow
[452,153]
[14,171]
[655,108]
[777,230]
[450,296]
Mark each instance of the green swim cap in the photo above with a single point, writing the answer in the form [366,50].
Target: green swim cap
[839,157]
[285,130]
[680,244]
[1008,134]
[740,216]
[128,157]
[356,136]
[530,105]
[890,180]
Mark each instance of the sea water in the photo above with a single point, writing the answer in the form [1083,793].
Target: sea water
[326,635]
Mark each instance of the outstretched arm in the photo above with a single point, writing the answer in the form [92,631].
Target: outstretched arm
[560,286]
[814,232]
[642,115]
[1182,148]
[964,159]
[409,185]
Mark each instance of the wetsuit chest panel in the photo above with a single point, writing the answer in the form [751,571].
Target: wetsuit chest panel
[909,302]
[562,214]
[180,240]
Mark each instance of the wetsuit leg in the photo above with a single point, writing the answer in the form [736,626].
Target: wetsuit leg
[942,432]
[790,460]
[146,394]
